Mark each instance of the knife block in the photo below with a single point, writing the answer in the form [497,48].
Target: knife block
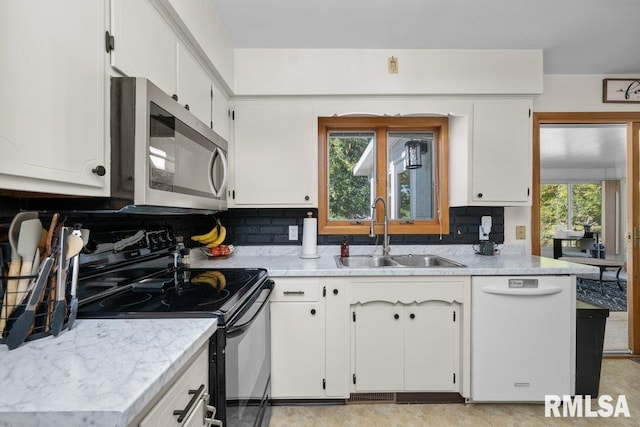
[43,314]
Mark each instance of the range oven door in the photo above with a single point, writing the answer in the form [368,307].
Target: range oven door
[243,399]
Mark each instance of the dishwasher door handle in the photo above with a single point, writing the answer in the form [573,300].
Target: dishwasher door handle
[522,291]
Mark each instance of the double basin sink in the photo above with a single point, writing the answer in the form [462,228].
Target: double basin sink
[382,261]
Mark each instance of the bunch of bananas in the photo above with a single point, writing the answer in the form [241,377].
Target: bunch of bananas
[213,238]
[214,279]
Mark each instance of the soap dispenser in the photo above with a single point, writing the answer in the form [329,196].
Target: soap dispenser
[344,248]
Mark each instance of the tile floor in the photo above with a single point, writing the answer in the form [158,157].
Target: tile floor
[619,377]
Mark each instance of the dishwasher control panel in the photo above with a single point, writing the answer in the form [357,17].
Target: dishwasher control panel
[523,283]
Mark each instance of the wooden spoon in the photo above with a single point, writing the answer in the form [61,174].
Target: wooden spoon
[14,265]
[30,232]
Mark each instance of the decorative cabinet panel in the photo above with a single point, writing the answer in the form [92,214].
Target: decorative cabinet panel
[52,103]
[275,154]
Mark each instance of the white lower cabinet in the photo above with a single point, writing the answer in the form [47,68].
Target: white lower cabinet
[407,347]
[307,349]
[185,402]
[336,336]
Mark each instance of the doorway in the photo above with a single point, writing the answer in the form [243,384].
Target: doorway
[627,248]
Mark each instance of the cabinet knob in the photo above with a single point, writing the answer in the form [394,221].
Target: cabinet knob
[335,292]
[480,195]
[413,316]
[313,311]
[396,316]
[175,97]
[186,107]
[99,170]
[306,198]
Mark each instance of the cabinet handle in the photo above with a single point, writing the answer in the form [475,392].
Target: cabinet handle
[335,292]
[313,311]
[413,316]
[479,195]
[293,293]
[209,421]
[99,170]
[196,395]
[396,316]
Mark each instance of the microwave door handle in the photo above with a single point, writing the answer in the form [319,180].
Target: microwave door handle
[220,191]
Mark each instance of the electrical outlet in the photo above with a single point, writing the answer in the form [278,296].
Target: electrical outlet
[293,232]
[521,232]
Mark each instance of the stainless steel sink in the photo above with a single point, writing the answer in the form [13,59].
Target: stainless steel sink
[365,261]
[398,261]
[424,261]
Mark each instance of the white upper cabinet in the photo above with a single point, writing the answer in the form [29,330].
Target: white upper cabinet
[52,97]
[195,89]
[220,113]
[275,154]
[493,166]
[144,43]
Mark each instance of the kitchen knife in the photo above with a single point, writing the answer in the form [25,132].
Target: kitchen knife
[60,307]
[20,329]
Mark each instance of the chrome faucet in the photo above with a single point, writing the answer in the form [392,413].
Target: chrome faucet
[372,231]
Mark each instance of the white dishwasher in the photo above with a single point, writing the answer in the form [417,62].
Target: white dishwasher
[522,338]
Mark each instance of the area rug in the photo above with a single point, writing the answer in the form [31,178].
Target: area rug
[612,297]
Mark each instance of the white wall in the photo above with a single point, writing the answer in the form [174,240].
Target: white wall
[364,72]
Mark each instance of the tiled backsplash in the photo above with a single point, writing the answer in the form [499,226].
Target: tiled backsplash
[252,227]
[271,227]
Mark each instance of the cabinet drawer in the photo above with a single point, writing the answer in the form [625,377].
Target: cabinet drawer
[297,290]
[177,398]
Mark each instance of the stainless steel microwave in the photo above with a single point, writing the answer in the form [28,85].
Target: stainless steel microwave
[163,158]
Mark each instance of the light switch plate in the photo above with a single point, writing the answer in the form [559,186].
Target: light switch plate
[293,232]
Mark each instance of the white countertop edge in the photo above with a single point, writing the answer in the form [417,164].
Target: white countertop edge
[286,262]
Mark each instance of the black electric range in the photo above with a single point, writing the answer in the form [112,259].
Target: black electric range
[157,286]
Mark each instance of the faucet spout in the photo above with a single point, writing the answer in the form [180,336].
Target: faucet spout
[372,232]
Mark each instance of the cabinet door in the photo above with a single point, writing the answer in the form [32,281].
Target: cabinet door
[275,154]
[52,96]
[145,44]
[195,89]
[220,113]
[431,346]
[501,152]
[296,350]
[379,347]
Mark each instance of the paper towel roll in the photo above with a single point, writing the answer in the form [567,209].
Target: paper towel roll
[309,238]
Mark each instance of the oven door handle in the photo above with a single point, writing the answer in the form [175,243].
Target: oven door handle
[239,329]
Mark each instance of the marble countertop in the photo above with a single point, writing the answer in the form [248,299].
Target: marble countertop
[282,261]
[103,372]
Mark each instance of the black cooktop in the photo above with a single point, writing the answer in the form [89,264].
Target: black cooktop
[168,293]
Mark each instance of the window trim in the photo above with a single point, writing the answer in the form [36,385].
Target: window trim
[382,125]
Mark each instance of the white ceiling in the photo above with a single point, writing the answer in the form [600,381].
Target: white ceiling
[577,36]
[583,146]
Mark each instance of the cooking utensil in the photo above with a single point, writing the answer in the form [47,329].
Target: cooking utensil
[74,245]
[60,308]
[14,264]
[20,329]
[30,232]
[51,235]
